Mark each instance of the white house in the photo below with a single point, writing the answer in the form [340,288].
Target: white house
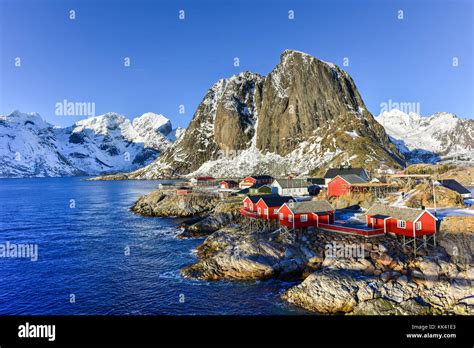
[290,187]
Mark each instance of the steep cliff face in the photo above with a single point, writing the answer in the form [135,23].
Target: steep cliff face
[306,114]
[308,100]
[223,123]
[302,95]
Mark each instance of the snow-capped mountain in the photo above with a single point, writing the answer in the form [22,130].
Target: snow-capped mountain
[304,116]
[108,143]
[440,137]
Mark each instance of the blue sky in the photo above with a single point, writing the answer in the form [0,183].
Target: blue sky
[174,62]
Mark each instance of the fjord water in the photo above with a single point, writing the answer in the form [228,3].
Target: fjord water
[83,230]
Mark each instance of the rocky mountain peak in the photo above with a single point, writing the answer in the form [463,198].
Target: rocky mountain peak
[31,120]
[151,121]
[304,115]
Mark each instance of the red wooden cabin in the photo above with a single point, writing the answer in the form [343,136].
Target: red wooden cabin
[342,184]
[403,221]
[250,202]
[256,179]
[228,184]
[305,214]
[268,205]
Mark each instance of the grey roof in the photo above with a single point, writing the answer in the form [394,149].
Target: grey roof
[455,186]
[399,213]
[333,172]
[292,183]
[309,207]
[256,198]
[316,181]
[275,200]
[353,179]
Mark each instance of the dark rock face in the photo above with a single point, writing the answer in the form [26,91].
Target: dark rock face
[305,97]
[304,109]
[236,112]
[222,122]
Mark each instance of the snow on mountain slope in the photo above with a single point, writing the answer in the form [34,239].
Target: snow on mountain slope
[28,148]
[442,136]
[97,145]
[305,116]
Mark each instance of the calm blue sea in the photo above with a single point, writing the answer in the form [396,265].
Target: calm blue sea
[83,230]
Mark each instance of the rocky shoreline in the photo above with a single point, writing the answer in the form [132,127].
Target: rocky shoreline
[339,274]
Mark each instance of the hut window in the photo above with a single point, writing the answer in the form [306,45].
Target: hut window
[290,218]
[282,216]
[265,211]
[418,225]
[275,211]
[304,218]
[401,224]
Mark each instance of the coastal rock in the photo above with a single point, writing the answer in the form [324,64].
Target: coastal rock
[168,203]
[222,258]
[382,306]
[457,238]
[331,291]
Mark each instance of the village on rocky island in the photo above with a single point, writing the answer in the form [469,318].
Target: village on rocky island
[353,241]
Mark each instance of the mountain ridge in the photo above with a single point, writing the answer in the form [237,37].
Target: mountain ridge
[305,115]
[442,136]
[32,147]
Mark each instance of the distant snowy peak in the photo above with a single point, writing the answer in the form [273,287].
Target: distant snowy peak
[31,119]
[441,136]
[152,122]
[111,142]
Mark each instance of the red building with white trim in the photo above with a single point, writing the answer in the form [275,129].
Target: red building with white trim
[228,184]
[342,184]
[408,222]
[268,206]
[256,179]
[304,214]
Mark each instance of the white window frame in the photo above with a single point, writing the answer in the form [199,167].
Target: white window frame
[290,218]
[418,226]
[245,204]
[304,218]
[282,216]
[401,224]
[373,221]
[251,206]
[275,211]
[259,210]
[265,211]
